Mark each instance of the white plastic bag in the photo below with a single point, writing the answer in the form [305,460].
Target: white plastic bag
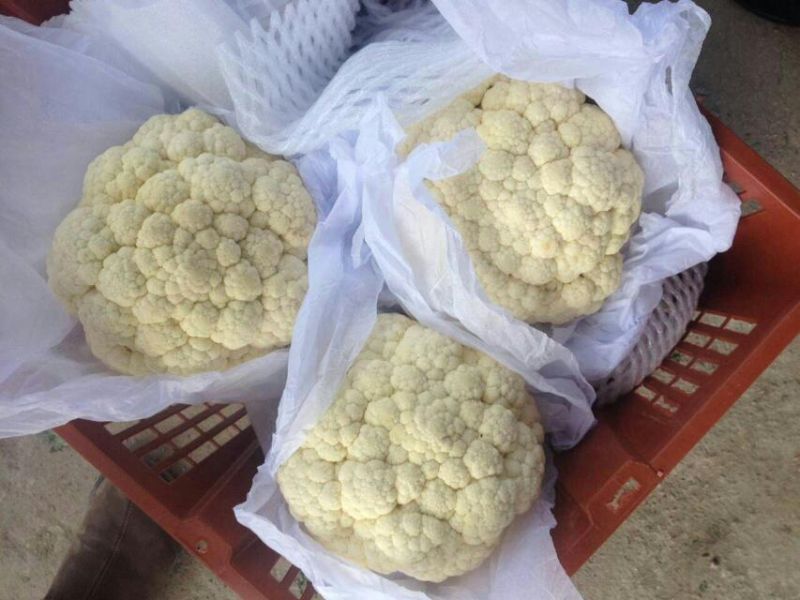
[84,82]
[337,317]
[66,96]
[426,266]
[176,40]
[186,45]
[70,90]
[637,67]
[525,565]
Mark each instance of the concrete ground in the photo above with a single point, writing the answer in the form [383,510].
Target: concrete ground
[724,525]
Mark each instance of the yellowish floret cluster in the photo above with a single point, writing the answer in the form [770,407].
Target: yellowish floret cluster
[187,252]
[545,212]
[426,455]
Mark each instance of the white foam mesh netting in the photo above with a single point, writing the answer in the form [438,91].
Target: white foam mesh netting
[289,96]
[276,72]
[663,331]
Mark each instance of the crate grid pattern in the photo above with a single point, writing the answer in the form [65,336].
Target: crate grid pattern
[176,440]
[709,341]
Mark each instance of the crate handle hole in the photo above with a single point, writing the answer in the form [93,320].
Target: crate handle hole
[280,569]
[704,366]
[645,392]
[687,387]
[623,493]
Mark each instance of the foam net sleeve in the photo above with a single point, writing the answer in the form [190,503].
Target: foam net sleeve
[664,329]
[295,86]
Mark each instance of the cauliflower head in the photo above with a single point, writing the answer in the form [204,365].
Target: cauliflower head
[424,458]
[187,251]
[545,212]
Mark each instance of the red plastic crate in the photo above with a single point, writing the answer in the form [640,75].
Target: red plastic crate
[188,466]
[749,311]
[34,11]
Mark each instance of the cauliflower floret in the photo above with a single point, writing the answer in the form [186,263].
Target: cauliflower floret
[547,209]
[187,251]
[424,458]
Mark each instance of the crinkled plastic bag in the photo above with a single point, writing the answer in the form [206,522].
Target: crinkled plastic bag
[345,282]
[84,82]
[289,50]
[66,96]
[637,67]
[426,266]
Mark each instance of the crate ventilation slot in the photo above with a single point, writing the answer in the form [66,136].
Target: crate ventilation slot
[178,439]
[705,346]
[293,580]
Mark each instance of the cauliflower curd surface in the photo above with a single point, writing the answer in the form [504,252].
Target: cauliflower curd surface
[424,458]
[545,212]
[187,252]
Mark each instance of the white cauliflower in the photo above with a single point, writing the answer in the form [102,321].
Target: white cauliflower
[424,458]
[187,251]
[547,209]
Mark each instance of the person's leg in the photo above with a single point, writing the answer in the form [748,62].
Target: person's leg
[119,554]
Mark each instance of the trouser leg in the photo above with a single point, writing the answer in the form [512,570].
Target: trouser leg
[119,554]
